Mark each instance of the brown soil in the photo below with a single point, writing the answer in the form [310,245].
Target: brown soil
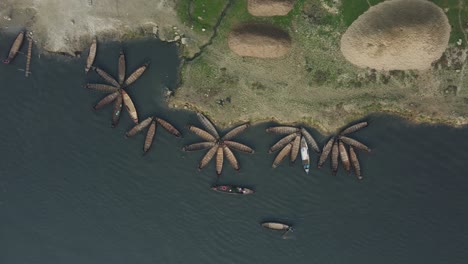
[270,7]
[397,35]
[259,40]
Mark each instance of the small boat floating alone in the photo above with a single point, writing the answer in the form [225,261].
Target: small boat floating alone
[14,48]
[278,226]
[232,189]
[305,155]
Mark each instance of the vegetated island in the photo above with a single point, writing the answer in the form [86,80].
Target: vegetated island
[310,81]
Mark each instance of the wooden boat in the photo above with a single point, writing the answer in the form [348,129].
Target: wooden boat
[282,142]
[355,162]
[334,158]
[296,145]
[201,133]
[107,77]
[305,155]
[277,226]
[135,75]
[208,125]
[198,146]
[325,152]
[208,157]
[121,69]
[231,158]
[14,48]
[235,131]
[137,128]
[354,128]
[130,106]
[355,143]
[239,146]
[219,160]
[344,156]
[91,55]
[150,137]
[310,140]
[282,130]
[232,189]
[281,155]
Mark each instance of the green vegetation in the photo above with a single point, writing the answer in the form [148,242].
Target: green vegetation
[458,17]
[201,13]
[351,9]
[313,84]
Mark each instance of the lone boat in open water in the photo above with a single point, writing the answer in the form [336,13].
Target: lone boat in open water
[232,189]
[279,226]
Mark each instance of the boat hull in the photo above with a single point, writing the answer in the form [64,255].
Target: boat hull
[232,189]
[276,226]
[305,155]
[14,48]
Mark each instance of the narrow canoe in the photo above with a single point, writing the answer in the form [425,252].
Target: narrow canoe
[15,48]
[305,155]
[232,189]
[276,225]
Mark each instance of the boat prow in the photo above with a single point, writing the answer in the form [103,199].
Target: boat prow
[232,189]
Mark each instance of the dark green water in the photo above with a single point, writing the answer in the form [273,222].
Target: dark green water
[73,190]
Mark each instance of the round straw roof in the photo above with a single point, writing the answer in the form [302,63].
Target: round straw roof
[397,35]
[259,40]
[270,7]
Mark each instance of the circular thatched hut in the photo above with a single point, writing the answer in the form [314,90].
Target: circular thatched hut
[397,35]
[270,7]
[259,40]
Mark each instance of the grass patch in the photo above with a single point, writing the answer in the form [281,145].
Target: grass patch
[351,9]
[454,12]
[200,13]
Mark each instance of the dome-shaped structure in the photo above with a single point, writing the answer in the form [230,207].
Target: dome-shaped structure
[270,7]
[397,35]
[259,40]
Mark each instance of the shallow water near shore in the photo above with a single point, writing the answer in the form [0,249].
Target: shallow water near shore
[74,190]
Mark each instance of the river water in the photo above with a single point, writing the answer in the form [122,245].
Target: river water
[73,190]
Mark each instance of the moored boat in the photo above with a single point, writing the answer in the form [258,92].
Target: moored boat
[305,155]
[232,189]
[14,48]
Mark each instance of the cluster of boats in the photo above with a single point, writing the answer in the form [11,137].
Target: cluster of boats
[296,140]
[339,145]
[117,94]
[115,88]
[299,139]
[219,146]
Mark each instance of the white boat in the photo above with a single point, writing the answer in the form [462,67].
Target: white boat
[305,155]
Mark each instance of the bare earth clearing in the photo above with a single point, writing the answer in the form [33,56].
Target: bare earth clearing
[67,26]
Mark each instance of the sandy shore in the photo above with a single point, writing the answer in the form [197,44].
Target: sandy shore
[66,26]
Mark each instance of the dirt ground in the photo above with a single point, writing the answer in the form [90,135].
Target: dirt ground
[66,26]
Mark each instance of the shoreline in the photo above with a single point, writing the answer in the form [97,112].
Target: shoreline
[289,90]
